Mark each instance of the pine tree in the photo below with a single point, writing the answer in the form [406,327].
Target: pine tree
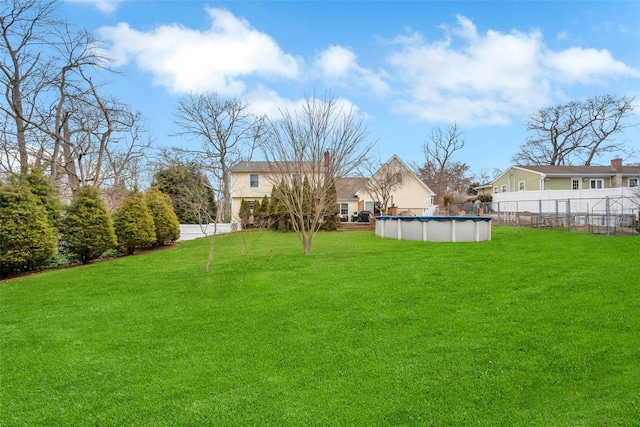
[47,195]
[277,211]
[134,224]
[330,215]
[86,229]
[27,239]
[167,226]
[263,213]
[244,213]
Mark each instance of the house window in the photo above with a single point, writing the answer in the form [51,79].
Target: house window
[495,190]
[575,183]
[504,188]
[368,206]
[634,182]
[253,180]
[250,203]
[596,183]
[521,186]
[343,208]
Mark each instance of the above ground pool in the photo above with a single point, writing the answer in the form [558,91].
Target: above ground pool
[435,228]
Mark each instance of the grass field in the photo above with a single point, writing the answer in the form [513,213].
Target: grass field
[537,328]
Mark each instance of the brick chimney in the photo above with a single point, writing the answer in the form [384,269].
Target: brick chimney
[616,165]
[326,159]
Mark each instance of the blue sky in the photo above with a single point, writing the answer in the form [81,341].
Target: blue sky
[408,66]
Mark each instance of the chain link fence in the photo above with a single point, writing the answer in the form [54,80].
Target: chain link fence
[609,215]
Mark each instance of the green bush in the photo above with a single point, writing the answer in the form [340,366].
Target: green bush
[27,239]
[134,224]
[47,195]
[86,229]
[167,226]
[244,213]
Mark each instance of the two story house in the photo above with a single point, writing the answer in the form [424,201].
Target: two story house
[254,180]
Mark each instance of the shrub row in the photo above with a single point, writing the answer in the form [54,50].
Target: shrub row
[36,231]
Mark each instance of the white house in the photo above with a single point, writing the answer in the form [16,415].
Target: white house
[254,180]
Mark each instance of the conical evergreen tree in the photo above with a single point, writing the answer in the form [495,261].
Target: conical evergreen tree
[134,224]
[330,214]
[47,194]
[27,239]
[164,218]
[244,213]
[86,229]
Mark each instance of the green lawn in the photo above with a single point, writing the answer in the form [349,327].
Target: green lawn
[537,328]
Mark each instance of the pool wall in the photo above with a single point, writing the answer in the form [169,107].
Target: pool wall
[435,228]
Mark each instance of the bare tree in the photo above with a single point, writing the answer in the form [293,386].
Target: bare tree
[228,131]
[309,149]
[576,133]
[61,121]
[385,179]
[440,172]
[24,28]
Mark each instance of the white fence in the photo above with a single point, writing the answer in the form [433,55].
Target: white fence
[195,231]
[593,201]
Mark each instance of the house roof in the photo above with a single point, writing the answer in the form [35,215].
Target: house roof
[571,170]
[251,167]
[564,171]
[398,160]
[263,166]
[346,188]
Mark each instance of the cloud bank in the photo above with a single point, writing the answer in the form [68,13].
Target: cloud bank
[468,76]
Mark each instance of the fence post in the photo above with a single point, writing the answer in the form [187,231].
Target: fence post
[607,213]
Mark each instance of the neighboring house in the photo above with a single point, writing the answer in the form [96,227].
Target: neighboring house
[593,184]
[540,178]
[253,180]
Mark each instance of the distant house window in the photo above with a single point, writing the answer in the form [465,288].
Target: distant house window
[495,189]
[250,205]
[254,181]
[368,206]
[596,183]
[521,186]
[343,208]
[575,183]
[504,188]
[634,182]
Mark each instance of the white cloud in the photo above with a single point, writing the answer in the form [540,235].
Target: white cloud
[489,77]
[106,6]
[338,65]
[187,60]
[586,66]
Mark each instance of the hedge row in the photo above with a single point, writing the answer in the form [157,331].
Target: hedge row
[36,231]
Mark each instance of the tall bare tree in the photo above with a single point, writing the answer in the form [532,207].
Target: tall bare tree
[576,133]
[444,175]
[310,149]
[228,132]
[24,30]
[62,122]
